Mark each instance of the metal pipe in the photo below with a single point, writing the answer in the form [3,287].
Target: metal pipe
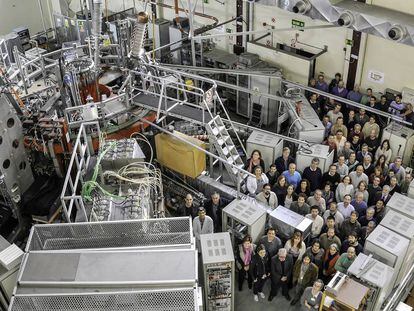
[191,34]
[250,21]
[42,15]
[96,28]
[219,35]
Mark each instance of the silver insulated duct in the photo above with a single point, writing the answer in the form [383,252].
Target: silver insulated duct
[96,28]
[366,18]
[138,35]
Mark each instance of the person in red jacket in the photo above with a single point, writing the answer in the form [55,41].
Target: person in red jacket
[328,266]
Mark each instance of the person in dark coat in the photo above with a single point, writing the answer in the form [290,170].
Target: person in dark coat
[244,256]
[188,208]
[280,188]
[281,268]
[314,174]
[260,271]
[272,174]
[304,274]
[214,209]
[282,162]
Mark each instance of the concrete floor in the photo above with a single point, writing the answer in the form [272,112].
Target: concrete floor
[243,301]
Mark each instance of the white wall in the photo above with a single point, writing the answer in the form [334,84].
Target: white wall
[15,13]
[393,59]
[329,63]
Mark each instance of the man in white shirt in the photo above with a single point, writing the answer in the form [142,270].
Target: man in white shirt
[341,167]
[317,200]
[317,221]
[345,207]
[202,224]
[333,211]
[335,113]
[358,175]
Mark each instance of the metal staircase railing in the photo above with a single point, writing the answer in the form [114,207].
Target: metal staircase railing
[169,81]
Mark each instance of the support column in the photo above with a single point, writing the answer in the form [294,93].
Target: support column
[239,26]
[354,57]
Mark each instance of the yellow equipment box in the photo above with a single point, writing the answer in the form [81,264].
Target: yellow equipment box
[179,156]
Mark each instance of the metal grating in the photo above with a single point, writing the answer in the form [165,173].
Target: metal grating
[134,233]
[171,300]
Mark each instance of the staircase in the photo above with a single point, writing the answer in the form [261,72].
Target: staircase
[225,147]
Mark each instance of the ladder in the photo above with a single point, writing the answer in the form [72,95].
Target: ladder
[256,116]
[225,147]
[137,39]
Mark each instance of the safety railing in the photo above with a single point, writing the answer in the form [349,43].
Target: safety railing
[178,299]
[158,81]
[174,232]
[82,153]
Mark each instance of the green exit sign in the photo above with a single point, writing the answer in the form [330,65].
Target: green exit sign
[349,42]
[205,1]
[297,23]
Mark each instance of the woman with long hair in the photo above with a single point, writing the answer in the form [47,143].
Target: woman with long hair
[295,246]
[344,188]
[255,160]
[382,163]
[363,188]
[304,187]
[290,196]
[329,261]
[280,188]
[385,150]
[255,184]
[377,173]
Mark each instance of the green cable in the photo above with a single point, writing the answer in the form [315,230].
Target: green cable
[92,184]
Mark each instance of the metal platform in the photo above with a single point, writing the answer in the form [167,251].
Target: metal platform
[181,111]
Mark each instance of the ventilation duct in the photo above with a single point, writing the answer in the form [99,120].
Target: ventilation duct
[359,16]
[302,7]
[346,19]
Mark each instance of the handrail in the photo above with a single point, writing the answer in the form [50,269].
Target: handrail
[401,290]
[279,98]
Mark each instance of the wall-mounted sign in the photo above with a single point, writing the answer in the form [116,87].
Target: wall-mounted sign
[376,76]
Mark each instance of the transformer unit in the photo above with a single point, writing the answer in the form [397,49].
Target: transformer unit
[270,146]
[401,204]
[287,222]
[376,275]
[401,141]
[404,226]
[304,157]
[242,217]
[218,270]
[388,247]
